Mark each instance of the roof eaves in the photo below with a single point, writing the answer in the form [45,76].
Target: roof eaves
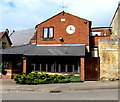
[77,16]
[1,34]
[58,14]
[115,13]
[48,19]
[101,28]
[10,42]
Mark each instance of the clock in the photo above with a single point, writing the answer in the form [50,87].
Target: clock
[70,29]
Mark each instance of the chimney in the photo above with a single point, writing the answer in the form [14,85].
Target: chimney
[63,13]
[12,33]
[7,31]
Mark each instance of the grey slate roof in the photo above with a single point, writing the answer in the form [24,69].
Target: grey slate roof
[32,50]
[22,37]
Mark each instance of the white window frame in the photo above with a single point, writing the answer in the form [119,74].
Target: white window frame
[48,32]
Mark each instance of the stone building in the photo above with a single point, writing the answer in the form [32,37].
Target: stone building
[65,44]
[110,51]
[115,23]
[109,59]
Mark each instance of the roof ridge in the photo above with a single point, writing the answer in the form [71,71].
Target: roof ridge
[58,14]
[76,16]
[24,29]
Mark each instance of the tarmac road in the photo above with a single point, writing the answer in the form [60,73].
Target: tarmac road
[102,94]
[70,91]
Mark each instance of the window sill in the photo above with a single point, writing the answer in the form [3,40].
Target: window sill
[48,39]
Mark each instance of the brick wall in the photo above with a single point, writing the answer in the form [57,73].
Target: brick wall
[94,39]
[8,74]
[82,68]
[103,31]
[80,36]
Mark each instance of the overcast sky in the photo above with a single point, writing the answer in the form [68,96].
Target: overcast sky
[25,14]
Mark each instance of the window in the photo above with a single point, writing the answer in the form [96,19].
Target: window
[95,33]
[33,67]
[62,67]
[19,63]
[3,45]
[43,67]
[70,66]
[48,32]
[5,65]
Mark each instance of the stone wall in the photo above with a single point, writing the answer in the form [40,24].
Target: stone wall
[109,59]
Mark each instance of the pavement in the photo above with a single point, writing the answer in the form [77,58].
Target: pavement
[9,85]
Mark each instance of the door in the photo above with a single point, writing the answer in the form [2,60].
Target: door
[92,69]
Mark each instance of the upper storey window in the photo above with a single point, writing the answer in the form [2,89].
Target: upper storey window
[4,45]
[48,32]
[95,33]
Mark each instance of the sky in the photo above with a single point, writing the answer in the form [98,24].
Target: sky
[25,14]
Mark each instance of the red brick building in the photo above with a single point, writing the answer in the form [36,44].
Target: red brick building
[99,33]
[62,45]
[58,25]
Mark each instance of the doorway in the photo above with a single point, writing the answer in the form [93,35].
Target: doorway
[92,69]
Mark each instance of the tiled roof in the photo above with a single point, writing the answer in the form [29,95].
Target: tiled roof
[33,50]
[5,34]
[34,37]
[22,37]
[63,14]
[1,34]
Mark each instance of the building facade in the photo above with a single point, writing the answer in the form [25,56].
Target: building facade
[63,44]
[110,50]
[59,46]
[115,23]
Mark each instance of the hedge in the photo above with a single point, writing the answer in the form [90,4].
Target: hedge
[43,78]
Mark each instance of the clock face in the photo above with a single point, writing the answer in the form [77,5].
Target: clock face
[70,29]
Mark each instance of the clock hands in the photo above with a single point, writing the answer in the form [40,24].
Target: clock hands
[71,29]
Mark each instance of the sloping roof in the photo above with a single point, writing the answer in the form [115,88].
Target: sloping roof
[34,37]
[32,50]
[59,14]
[22,37]
[1,34]
[115,12]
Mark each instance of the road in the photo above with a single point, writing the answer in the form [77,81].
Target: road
[100,94]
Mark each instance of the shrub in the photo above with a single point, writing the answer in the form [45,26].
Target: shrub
[43,78]
[75,79]
[64,81]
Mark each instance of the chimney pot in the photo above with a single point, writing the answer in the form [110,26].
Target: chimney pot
[7,31]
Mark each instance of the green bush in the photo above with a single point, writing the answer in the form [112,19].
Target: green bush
[75,79]
[43,78]
[64,81]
